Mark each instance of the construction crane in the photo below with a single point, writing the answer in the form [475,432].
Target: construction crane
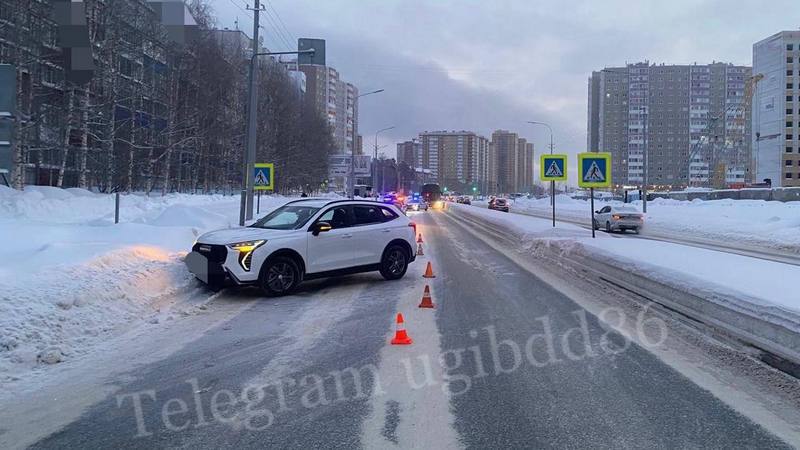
[735,113]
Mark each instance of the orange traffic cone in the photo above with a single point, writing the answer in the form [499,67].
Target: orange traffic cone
[400,335]
[429,271]
[419,250]
[426,299]
[419,239]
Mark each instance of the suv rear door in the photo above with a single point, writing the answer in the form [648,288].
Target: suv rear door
[331,250]
[375,226]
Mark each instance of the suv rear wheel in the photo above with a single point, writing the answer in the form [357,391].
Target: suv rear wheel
[279,276]
[394,262]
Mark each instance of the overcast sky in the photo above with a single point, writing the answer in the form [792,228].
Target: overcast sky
[485,64]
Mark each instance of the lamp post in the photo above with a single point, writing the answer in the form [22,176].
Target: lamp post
[646,115]
[375,155]
[552,183]
[351,180]
[246,210]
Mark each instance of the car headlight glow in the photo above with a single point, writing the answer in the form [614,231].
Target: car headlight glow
[246,249]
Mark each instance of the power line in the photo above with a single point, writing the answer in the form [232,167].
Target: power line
[269,3]
[277,30]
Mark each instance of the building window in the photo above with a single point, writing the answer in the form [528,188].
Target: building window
[788,98]
[789,59]
[788,149]
[789,47]
[789,124]
[788,175]
[788,162]
[789,137]
[789,72]
[789,111]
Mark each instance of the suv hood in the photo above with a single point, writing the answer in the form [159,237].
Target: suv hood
[241,234]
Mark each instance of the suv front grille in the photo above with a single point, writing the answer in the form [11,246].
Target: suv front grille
[214,253]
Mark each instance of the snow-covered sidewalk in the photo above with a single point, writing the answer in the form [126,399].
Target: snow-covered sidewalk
[749,285]
[70,277]
[749,223]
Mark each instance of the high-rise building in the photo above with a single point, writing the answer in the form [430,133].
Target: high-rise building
[410,152]
[776,131]
[336,100]
[693,120]
[506,148]
[524,165]
[457,159]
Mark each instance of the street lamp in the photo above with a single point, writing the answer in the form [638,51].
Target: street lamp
[246,206]
[552,183]
[645,119]
[352,178]
[375,154]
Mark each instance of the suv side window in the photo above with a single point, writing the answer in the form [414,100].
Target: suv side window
[606,209]
[388,214]
[338,217]
[368,214]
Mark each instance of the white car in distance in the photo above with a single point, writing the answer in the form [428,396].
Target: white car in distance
[305,239]
[618,218]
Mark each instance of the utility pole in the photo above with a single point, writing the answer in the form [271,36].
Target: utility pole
[252,106]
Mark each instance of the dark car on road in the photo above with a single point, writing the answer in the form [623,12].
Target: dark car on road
[499,204]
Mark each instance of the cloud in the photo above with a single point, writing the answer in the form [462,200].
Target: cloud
[481,65]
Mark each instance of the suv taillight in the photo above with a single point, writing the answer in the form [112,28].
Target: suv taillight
[414,227]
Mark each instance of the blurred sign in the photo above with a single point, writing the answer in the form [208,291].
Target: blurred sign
[553,168]
[264,177]
[595,169]
[318,57]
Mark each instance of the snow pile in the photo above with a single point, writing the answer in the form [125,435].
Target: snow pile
[756,223]
[70,277]
[56,313]
[747,284]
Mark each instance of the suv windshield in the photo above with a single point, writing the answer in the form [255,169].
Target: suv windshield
[288,217]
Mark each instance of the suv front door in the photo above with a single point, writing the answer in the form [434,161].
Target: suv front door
[333,249]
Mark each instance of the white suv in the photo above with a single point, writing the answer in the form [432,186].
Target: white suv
[305,239]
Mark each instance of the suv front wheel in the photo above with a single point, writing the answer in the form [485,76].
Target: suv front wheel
[279,276]
[394,262]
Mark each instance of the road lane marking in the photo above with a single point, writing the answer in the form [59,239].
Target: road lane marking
[414,409]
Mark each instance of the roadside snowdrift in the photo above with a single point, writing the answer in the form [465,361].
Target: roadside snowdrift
[70,277]
[746,222]
[746,284]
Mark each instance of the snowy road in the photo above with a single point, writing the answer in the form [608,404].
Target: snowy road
[512,356]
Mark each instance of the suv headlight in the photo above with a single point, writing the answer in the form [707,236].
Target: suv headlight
[246,250]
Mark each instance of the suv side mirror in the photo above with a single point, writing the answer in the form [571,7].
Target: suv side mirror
[320,227]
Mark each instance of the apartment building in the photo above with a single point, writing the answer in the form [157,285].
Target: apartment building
[507,154]
[692,119]
[336,100]
[457,159]
[775,127]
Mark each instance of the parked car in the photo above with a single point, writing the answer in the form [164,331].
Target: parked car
[499,204]
[466,200]
[305,239]
[618,218]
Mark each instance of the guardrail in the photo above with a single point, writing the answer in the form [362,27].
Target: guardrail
[772,332]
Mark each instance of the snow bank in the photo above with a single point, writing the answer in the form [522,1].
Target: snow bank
[747,284]
[756,223]
[71,277]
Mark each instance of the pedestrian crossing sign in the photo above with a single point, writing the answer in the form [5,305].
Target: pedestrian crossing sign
[264,177]
[553,168]
[595,169]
